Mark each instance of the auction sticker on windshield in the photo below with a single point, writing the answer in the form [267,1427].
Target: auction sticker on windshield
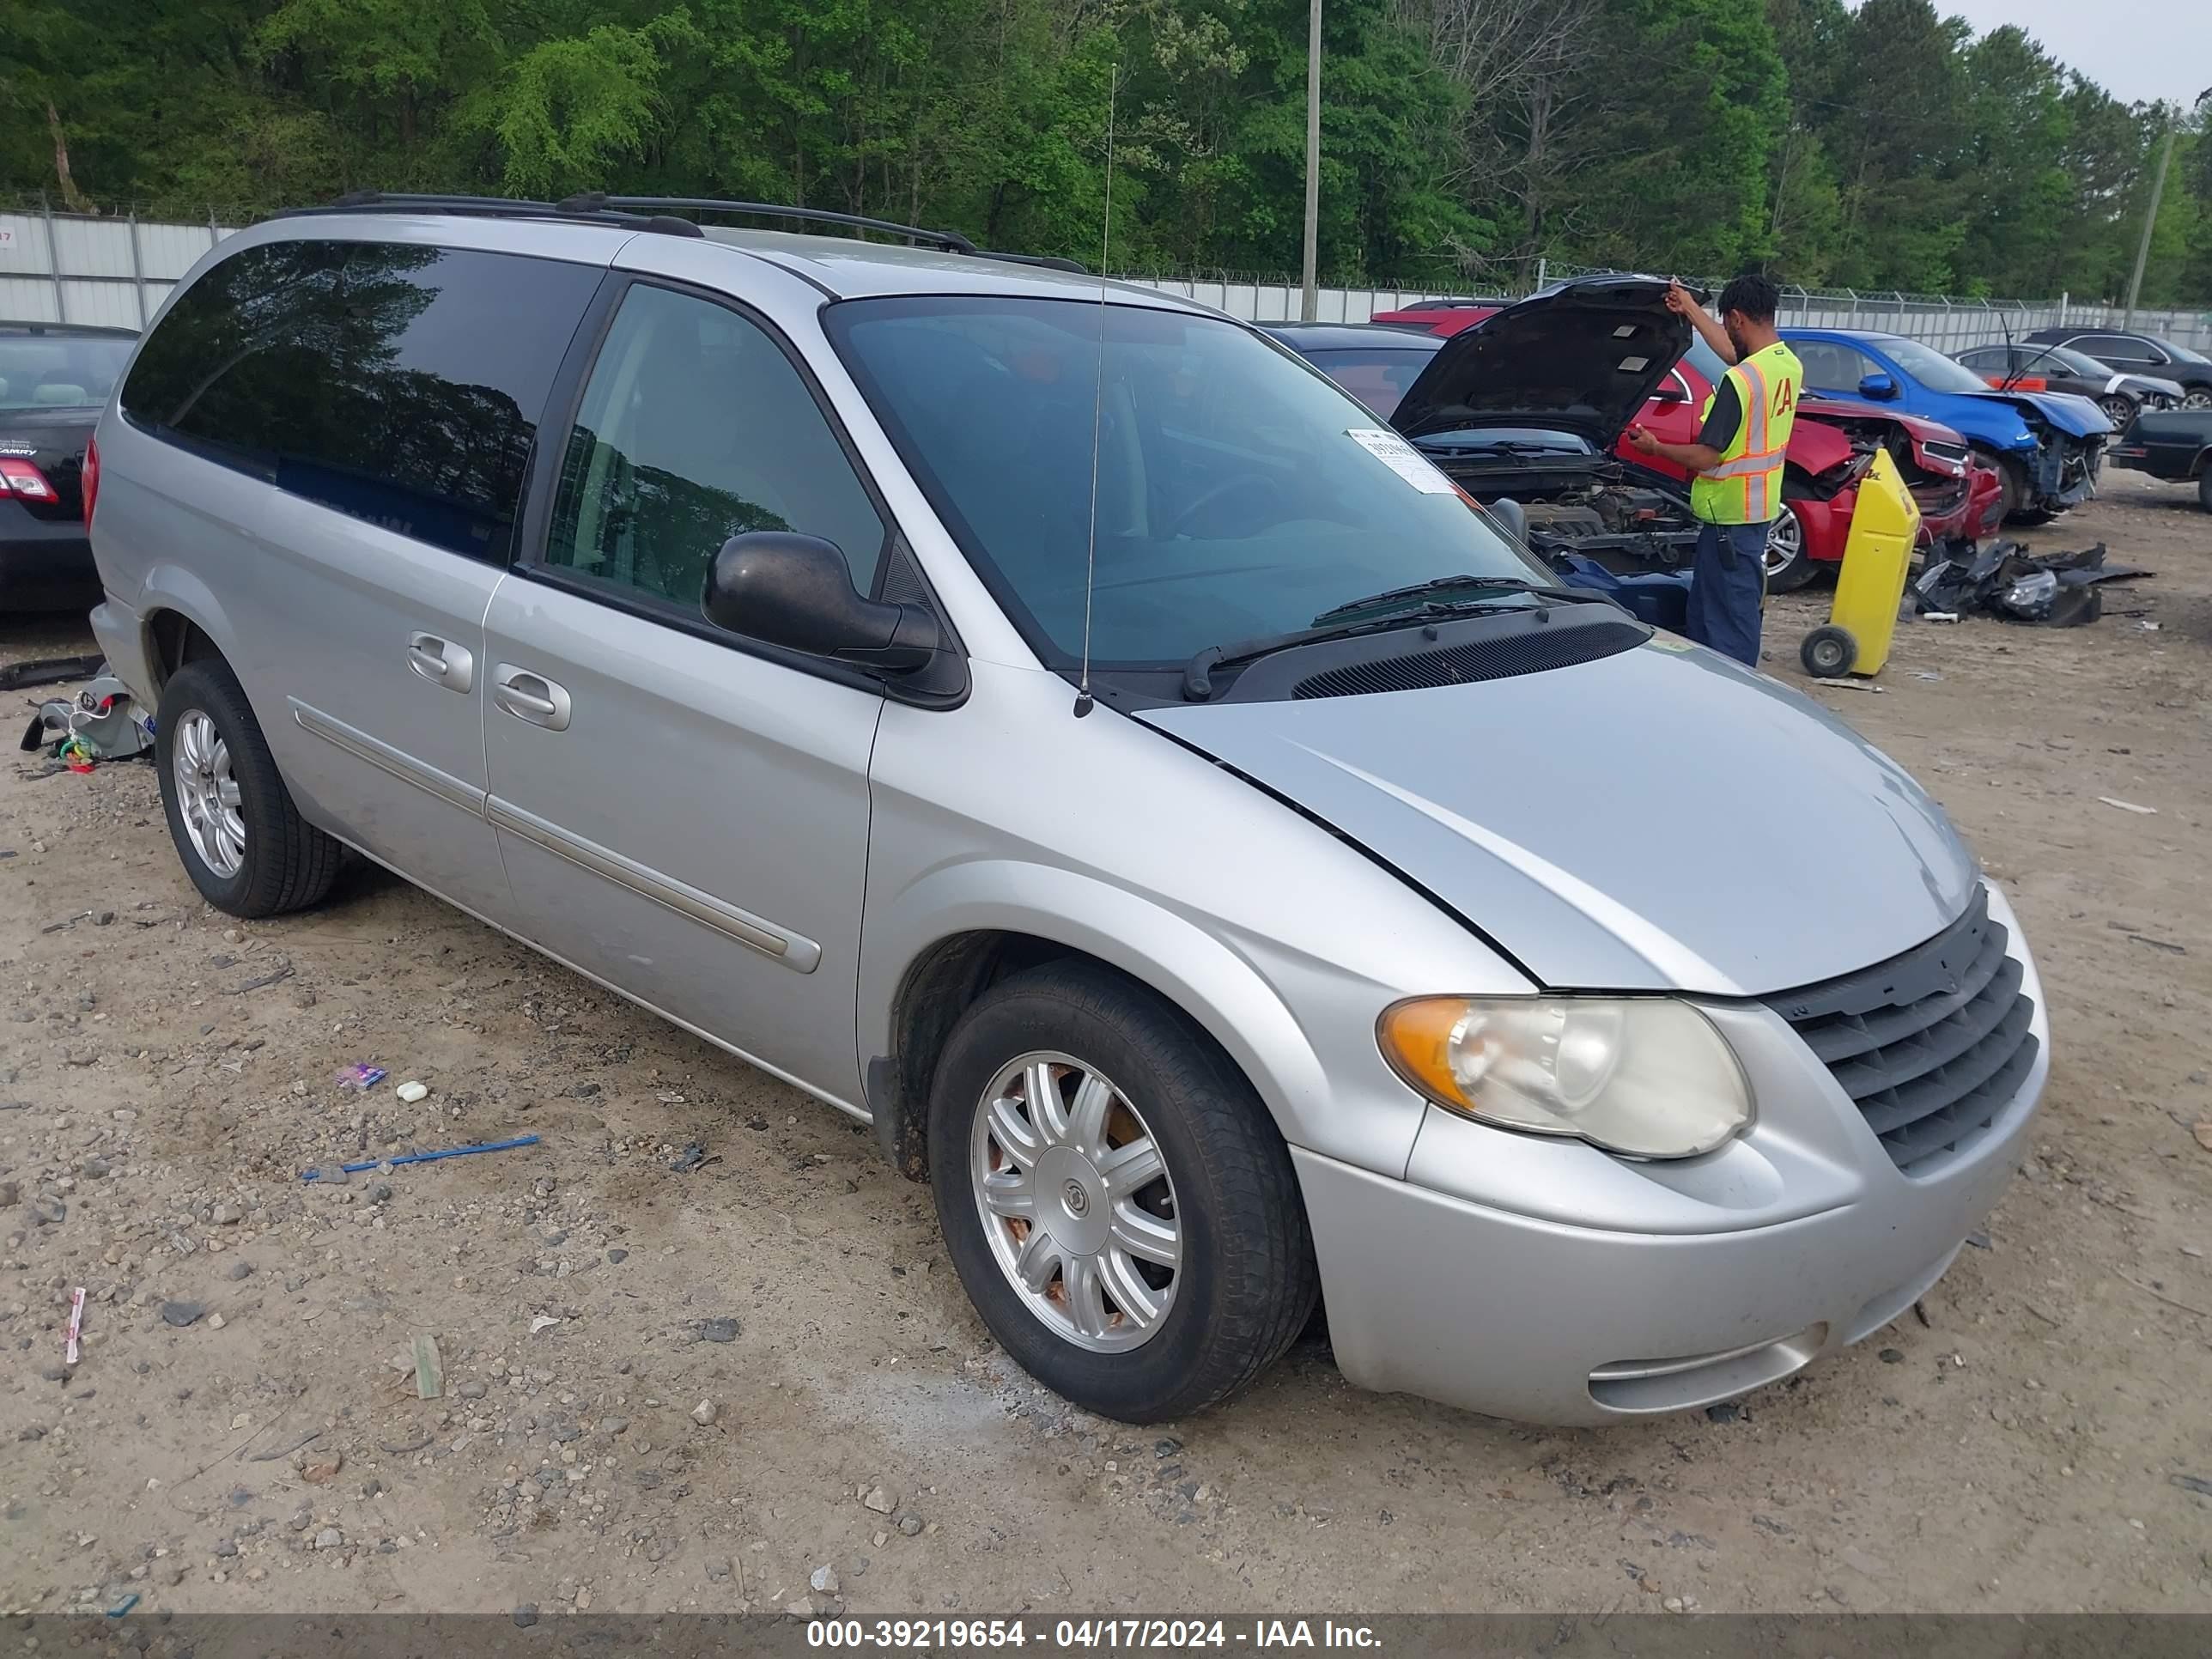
[1401,458]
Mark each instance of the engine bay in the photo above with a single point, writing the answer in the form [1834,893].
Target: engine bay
[1624,526]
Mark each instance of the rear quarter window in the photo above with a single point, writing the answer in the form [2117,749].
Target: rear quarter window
[399,384]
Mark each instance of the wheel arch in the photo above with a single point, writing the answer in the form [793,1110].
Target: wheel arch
[182,620]
[960,930]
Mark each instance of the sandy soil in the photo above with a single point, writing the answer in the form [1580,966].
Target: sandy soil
[2023,1449]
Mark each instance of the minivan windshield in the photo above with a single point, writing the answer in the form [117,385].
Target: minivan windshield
[1239,493]
[60,371]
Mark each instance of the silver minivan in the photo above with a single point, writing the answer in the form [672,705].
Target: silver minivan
[1044,718]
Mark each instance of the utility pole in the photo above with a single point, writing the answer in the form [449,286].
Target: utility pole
[1312,304]
[2150,218]
[2151,214]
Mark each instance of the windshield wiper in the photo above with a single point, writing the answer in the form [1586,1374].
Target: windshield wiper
[1430,595]
[1499,447]
[1407,605]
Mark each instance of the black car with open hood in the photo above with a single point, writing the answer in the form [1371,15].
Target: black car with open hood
[1582,358]
[1528,406]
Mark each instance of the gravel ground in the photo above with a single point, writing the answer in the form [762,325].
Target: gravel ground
[755,1384]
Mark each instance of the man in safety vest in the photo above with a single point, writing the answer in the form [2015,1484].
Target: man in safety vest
[1736,491]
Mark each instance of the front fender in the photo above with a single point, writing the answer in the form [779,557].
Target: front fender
[1194,969]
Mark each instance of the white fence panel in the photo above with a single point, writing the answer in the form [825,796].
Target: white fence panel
[113,271]
[113,304]
[26,299]
[167,251]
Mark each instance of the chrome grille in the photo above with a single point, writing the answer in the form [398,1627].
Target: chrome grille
[1932,1045]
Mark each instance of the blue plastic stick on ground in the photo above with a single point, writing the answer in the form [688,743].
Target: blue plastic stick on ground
[428,1158]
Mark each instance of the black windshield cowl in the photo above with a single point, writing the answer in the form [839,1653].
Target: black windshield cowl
[1407,611]
[1460,647]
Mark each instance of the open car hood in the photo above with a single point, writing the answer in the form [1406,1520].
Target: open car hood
[1582,358]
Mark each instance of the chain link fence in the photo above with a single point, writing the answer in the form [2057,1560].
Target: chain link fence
[1948,324]
[115,267]
[1953,325]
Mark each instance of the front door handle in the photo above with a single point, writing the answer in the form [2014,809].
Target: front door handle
[532,697]
[442,662]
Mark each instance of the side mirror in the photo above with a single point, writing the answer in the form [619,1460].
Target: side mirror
[1670,391]
[1879,386]
[797,591]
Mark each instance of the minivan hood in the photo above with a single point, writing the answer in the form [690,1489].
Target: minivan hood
[1659,819]
[1582,358]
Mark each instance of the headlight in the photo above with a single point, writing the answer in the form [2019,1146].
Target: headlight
[1647,1077]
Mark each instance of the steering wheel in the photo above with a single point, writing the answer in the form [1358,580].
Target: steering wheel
[1207,497]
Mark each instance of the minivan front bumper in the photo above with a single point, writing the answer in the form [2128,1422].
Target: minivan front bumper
[1543,1282]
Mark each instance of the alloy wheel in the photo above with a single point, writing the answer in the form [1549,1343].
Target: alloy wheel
[2118,411]
[1076,1201]
[1785,542]
[208,796]
[2197,397]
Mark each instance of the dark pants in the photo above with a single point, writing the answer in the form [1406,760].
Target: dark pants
[1728,580]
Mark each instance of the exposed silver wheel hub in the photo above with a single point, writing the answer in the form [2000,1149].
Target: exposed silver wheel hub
[1076,1201]
[208,796]
[1785,540]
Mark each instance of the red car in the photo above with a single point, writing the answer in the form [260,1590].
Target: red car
[1829,446]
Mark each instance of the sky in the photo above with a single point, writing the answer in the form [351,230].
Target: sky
[2135,49]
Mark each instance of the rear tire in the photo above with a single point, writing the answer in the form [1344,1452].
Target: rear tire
[242,840]
[1242,1281]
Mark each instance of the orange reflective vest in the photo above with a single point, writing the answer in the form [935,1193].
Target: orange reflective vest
[1744,485]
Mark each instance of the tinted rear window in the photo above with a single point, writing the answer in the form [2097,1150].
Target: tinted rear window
[398,383]
[1377,378]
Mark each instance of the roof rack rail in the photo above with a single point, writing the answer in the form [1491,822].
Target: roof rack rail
[1043,261]
[951,241]
[495,207]
[652,213]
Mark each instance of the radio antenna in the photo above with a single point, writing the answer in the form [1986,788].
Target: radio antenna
[1083,699]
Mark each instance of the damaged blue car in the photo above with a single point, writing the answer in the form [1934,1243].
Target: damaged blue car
[2047,447]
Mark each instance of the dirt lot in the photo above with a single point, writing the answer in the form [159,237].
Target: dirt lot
[2041,1442]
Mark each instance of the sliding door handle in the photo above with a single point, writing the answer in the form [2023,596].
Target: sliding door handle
[442,662]
[531,697]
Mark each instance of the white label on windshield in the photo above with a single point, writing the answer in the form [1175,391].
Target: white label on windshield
[1402,459]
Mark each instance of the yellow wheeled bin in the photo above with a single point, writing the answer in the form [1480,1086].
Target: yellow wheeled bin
[1871,584]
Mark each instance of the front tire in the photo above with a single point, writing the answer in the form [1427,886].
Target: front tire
[1118,1205]
[2012,481]
[2119,409]
[242,840]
